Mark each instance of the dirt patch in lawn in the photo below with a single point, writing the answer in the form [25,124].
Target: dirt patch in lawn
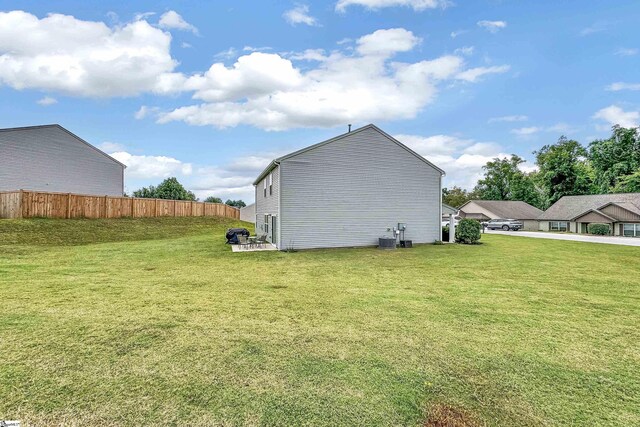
[447,416]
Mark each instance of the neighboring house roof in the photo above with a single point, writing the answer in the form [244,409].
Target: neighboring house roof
[570,207]
[277,161]
[446,209]
[28,128]
[507,209]
[596,212]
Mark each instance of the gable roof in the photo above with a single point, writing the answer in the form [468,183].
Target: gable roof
[569,207]
[277,161]
[507,209]
[597,212]
[446,209]
[73,135]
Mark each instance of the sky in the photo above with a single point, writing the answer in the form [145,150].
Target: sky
[211,91]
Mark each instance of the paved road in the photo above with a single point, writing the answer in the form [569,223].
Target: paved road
[611,240]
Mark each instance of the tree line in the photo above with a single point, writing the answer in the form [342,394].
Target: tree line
[565,168]
[171,189]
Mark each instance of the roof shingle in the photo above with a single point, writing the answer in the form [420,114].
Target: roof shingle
[569,207]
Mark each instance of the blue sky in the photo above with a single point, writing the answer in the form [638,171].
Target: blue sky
[211,91]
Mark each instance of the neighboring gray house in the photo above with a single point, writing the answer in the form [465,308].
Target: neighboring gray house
[484,210]
[50,158]
[574,213]
[349,191]
[248,213]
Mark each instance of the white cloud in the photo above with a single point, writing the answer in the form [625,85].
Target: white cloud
[146,167]
[623,51]
[562,128]
[387,42]
[185,45]
[492,26]
[623,86]
[300,15]
[145,111]
[232,52]
[466,50]
[514,118]
[455,34]
[310,55]
[269,91]
[595,28]
[417,5]
[111,147]
[473,74]
[526,131]
[46,101]
[615,115]
[461,158]
[83,58]
[171,20]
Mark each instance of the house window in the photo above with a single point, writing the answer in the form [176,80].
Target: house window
[266,223]
[265,188]
[270,184]
[631,230]
[558,226]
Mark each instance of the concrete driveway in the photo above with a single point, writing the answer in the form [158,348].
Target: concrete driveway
[611,240]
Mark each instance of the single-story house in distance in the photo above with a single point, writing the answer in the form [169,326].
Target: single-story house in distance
[49,158]
[248,213]
[349,191]
[484,210]
[574,213]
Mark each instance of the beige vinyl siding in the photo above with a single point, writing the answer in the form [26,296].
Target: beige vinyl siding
[620,213]
[267,205]
[530,225]
[351,191]
[594,217]
[50,159]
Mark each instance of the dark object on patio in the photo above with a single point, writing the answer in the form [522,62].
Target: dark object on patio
[406,243]
[387,242]
[232,235]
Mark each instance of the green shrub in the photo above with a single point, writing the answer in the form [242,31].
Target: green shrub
[599,229]
[468,231]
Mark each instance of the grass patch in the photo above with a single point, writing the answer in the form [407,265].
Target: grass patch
[155,321]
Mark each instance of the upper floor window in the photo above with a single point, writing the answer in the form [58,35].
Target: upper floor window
[270,183]
[265,188]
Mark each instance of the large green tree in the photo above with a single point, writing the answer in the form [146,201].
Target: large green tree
[615,158]
[457,196]
[236,203]
[563,169]
[169,189]
[628,184]
[212,199]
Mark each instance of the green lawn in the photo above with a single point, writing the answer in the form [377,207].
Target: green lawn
[156,322]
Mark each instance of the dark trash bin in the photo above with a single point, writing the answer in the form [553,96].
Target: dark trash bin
[387,243]
[406,243]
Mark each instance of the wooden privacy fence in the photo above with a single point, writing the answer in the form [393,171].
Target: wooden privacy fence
[31,204]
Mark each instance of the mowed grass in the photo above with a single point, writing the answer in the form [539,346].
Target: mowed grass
[156,322]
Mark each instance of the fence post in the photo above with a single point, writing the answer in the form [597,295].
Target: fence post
[155,207]
[174,208]
[68,213]
[105,213]
[133,211]
[21,204]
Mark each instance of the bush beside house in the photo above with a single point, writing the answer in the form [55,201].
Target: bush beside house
[468,231]
[599,229]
